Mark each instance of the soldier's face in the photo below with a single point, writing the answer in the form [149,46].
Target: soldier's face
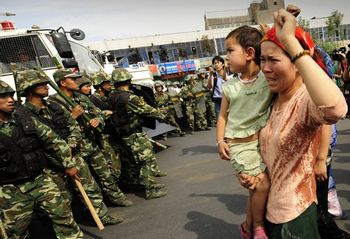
[159,88]
[42,90]
[7,103]
[107,86]
[85,89]
[70,84]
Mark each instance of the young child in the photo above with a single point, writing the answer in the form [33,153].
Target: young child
[244,111]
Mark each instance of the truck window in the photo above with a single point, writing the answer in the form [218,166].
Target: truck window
[87,61]
[26,51]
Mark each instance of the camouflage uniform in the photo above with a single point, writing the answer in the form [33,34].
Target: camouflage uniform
[200,108]
[174,93]
[189,100]
[165,106]
[110,150]
[30,187]
[209,102]
[88,182]
[89,150]
[128,108]
[60,120]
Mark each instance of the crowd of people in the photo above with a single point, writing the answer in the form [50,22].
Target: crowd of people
[47,144]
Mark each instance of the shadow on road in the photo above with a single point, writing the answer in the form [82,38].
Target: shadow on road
[343,132]
[344,194]
[199,149]
[342,148]
[341,175]
[208,227]
[342,159]
[235,203]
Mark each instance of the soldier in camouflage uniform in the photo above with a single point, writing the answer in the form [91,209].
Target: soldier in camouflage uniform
[166,107]
[33,85]
[89,149]
[110,148]
[189,100]
[128,109]
[200,109]
[209,103]
[174,93]
[84,85]
[24,142]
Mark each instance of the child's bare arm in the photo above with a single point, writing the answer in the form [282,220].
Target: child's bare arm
[220,130]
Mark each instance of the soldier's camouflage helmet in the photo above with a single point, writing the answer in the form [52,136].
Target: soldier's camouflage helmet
[169,83]
[201,71]
[120,74]
[100,77]
[83,81]
[189,77]
[5,88]
[62,74]
[28,78]
[158,83]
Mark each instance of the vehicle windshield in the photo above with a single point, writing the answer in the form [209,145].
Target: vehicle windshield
[87,62]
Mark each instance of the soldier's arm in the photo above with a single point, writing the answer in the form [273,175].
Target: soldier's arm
[75,136]
[94,111]
[53,142]
[140,107]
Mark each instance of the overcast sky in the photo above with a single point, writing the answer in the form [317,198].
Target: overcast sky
[111,19]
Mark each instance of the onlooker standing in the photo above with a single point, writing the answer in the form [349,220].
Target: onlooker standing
[216,79]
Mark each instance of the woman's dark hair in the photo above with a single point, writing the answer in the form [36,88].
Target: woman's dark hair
[247,37]
[218,58]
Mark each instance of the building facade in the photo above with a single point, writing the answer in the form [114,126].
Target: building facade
[257,13]
[200,45]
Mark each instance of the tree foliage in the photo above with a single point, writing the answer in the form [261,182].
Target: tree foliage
[333,22]
[329,47]
[305,24]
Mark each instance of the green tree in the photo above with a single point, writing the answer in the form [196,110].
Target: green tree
[329,47]
[333,22]
[305,24]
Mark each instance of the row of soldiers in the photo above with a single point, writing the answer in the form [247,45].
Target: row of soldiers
[45,144]
[192,99]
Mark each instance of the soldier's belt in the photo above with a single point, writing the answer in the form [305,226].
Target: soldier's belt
[200,94]
[175,99]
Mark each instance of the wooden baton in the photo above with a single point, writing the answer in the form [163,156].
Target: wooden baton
[89,205]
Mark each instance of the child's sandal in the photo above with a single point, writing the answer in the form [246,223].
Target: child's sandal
[244,234]
[259,233]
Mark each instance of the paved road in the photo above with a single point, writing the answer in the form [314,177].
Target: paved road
[204,200]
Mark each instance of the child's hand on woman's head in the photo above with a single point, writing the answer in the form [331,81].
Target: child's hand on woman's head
[264,28]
